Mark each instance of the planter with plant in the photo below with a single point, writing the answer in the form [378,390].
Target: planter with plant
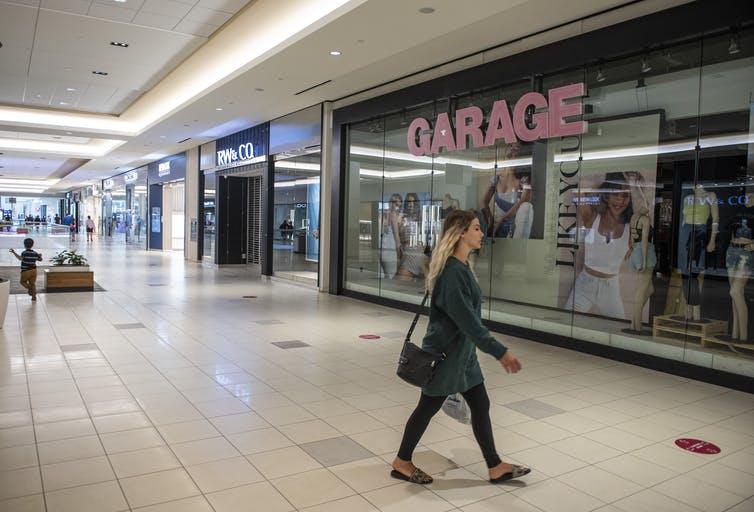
[70,259]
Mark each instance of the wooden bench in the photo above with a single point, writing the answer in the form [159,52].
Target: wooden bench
[69,279]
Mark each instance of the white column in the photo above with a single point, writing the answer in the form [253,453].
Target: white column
[191,210]
[325,191]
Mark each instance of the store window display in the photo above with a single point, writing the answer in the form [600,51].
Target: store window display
[636,234]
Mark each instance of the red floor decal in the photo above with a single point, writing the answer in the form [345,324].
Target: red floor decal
[697,446]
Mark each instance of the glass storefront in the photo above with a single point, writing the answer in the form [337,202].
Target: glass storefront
[209,203]
[636,233]
[295,221]
[124,207]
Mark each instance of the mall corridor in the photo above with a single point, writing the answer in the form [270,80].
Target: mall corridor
[187,388]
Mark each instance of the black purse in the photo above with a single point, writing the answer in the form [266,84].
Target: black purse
[416,365]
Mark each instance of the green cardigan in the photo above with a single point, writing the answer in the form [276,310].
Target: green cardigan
[455,328]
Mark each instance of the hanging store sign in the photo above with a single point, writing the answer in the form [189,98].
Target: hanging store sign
[535,117]
[163,169]
[229,156]
[108,184]
[131,176]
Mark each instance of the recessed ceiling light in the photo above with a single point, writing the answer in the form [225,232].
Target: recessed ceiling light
[162,136]
[259,89]
[218,108]
[336,53]
[103,73]
[121,1]
[69,133]
[119,45]
[427,10]
[70,89]
[64,103]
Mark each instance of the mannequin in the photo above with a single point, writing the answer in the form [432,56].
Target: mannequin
[643,259]
[693,244]
[739,259]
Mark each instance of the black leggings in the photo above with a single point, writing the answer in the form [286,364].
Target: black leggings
[479,403]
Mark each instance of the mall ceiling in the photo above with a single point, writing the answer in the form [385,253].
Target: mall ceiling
[195,70]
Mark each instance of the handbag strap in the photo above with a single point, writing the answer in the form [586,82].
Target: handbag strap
[416,318]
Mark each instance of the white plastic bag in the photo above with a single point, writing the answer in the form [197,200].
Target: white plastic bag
[457,408]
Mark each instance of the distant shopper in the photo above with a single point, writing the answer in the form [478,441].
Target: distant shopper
[286,228]
[455,329]
[57,219]
[72,228]
[28,259]
[89,229]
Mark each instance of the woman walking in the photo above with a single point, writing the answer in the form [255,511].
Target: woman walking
[455,329]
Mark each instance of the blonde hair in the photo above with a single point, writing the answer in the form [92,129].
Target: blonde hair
[455,225]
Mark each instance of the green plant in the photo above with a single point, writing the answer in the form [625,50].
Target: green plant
[71,257]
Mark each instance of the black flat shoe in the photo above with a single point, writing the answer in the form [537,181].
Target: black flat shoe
[417,477]
[516,472]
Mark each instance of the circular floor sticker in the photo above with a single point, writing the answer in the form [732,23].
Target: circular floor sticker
[697,446]
[369,336]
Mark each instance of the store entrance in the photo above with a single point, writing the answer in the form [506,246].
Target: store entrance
[239,217]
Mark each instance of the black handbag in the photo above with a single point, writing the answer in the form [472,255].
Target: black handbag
[416,365]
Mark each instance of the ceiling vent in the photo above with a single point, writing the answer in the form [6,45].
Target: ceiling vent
[184,140]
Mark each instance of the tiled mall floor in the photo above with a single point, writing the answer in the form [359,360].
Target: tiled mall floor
[167,393]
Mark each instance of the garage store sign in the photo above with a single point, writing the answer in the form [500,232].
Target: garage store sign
[228,156]
[535,117]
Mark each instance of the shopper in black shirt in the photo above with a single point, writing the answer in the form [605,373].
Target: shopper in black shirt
[28,259]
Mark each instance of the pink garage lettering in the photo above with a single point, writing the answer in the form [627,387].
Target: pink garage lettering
[548,120]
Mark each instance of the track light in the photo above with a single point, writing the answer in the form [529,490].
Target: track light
[646,67]
[600,75]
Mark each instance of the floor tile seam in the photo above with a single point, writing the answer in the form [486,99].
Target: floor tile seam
[31,416]
[310,471]
[656,486]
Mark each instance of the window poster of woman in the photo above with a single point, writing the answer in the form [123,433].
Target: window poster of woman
[615,180]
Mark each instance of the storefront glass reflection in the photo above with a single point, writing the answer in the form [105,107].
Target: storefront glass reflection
[296,216]
[635,234]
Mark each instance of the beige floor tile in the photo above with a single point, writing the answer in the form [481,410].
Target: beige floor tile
[222,407]
[742,461]
[506,502]
[237,423]
[283,462]
[204,450]
[698,494]
[64,430]
[554,496]
[671,457]
[193,504]
[403,497]
[462,487]
[224,474]
[53,414]
[350,504]
[354,423]
[263,495]
[16,436]
[19,482]
[17,457]
[365,475]
[637,470]
[64,450]
[727,478]
[120,422]
[33,503]
[329,408]
[256,441]
[599,483]
[462,450]
[385,440]
[548,460]
[129,440]
[312,488]
[141,462]
[188,431]
[76,473]
[15,419]
[581,448]
[101,497]
[618,439]
[160,487]
[309,431]
[651,501]
[744,506]
[540,431]
[286,415]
